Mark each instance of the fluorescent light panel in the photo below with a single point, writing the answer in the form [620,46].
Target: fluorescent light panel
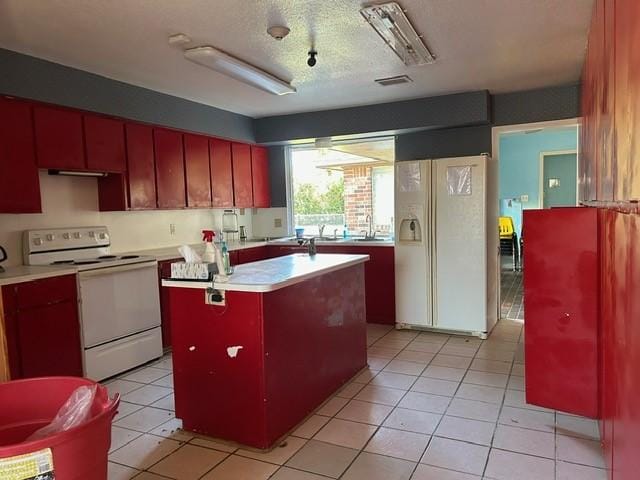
[389,20]
[221,62]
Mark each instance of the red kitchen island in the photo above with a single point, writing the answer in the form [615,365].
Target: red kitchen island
[290,332]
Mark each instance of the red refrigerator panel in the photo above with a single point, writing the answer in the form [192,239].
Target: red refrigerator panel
[561,280]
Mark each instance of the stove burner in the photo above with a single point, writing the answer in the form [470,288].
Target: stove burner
[107,257]
[62,262]
[85,262]
[129,257]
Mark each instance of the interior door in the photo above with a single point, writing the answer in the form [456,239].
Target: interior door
[560,174]
[460,257]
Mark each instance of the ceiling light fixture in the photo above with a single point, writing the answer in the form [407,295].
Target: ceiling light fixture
[179,39]
[278,31]
[391,23]
[221,62]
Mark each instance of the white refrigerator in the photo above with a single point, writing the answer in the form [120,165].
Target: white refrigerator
[446,254]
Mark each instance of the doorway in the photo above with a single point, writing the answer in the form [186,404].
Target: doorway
[559,179]
[538,168]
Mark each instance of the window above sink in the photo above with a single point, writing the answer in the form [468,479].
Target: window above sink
[342,184]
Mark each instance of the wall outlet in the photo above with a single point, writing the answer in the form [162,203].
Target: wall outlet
[277,222]
[524,198]
[214,297]
[172,228]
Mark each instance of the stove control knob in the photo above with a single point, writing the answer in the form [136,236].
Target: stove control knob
[92,234]
[66,236]
[37,241]
[50,237]
[103,236]
[77,235]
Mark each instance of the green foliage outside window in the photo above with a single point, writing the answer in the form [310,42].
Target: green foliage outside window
[309,201]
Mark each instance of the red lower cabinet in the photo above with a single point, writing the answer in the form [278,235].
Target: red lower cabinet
[379,276]
[248,255]
[43,328]
[561,288]
[379,279]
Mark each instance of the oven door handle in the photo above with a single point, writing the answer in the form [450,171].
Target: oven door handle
[99,272]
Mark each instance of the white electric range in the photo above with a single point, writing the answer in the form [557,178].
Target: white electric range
[118,296]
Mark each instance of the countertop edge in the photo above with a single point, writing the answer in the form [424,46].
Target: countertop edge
[266,288]
[10,277]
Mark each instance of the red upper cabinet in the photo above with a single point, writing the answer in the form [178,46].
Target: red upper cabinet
[104,141]
[19,180]
[141,167]
[260,177]
[198,175]
[242,182]
[59,138]
[221,173]
[169,168]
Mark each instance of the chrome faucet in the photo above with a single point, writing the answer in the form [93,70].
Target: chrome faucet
[321,230]
[312,247]
[371,233]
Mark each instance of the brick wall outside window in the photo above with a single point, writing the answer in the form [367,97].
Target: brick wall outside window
[358,199]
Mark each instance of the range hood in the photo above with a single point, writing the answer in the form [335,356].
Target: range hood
[73,173]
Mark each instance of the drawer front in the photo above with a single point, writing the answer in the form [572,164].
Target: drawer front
[46,291]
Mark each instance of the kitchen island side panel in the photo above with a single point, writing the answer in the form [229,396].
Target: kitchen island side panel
[216,393]
[315,341]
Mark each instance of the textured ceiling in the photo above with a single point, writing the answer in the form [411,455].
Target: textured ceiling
[499,45]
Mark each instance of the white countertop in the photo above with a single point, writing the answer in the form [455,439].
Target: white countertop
[169,253]
[387,242]
[27,273]
[275,273]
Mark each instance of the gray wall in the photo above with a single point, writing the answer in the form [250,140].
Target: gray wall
[555,103]
[450,142]
[472,108]
[277,176]
[429,142]
[36,79]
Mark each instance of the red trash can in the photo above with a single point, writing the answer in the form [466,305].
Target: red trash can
[79,453]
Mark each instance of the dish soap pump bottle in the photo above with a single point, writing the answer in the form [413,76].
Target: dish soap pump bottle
[226,261]
[209,255]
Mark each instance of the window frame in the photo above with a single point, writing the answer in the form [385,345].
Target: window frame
[312,146]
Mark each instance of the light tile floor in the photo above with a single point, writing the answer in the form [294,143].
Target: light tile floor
[429,407]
